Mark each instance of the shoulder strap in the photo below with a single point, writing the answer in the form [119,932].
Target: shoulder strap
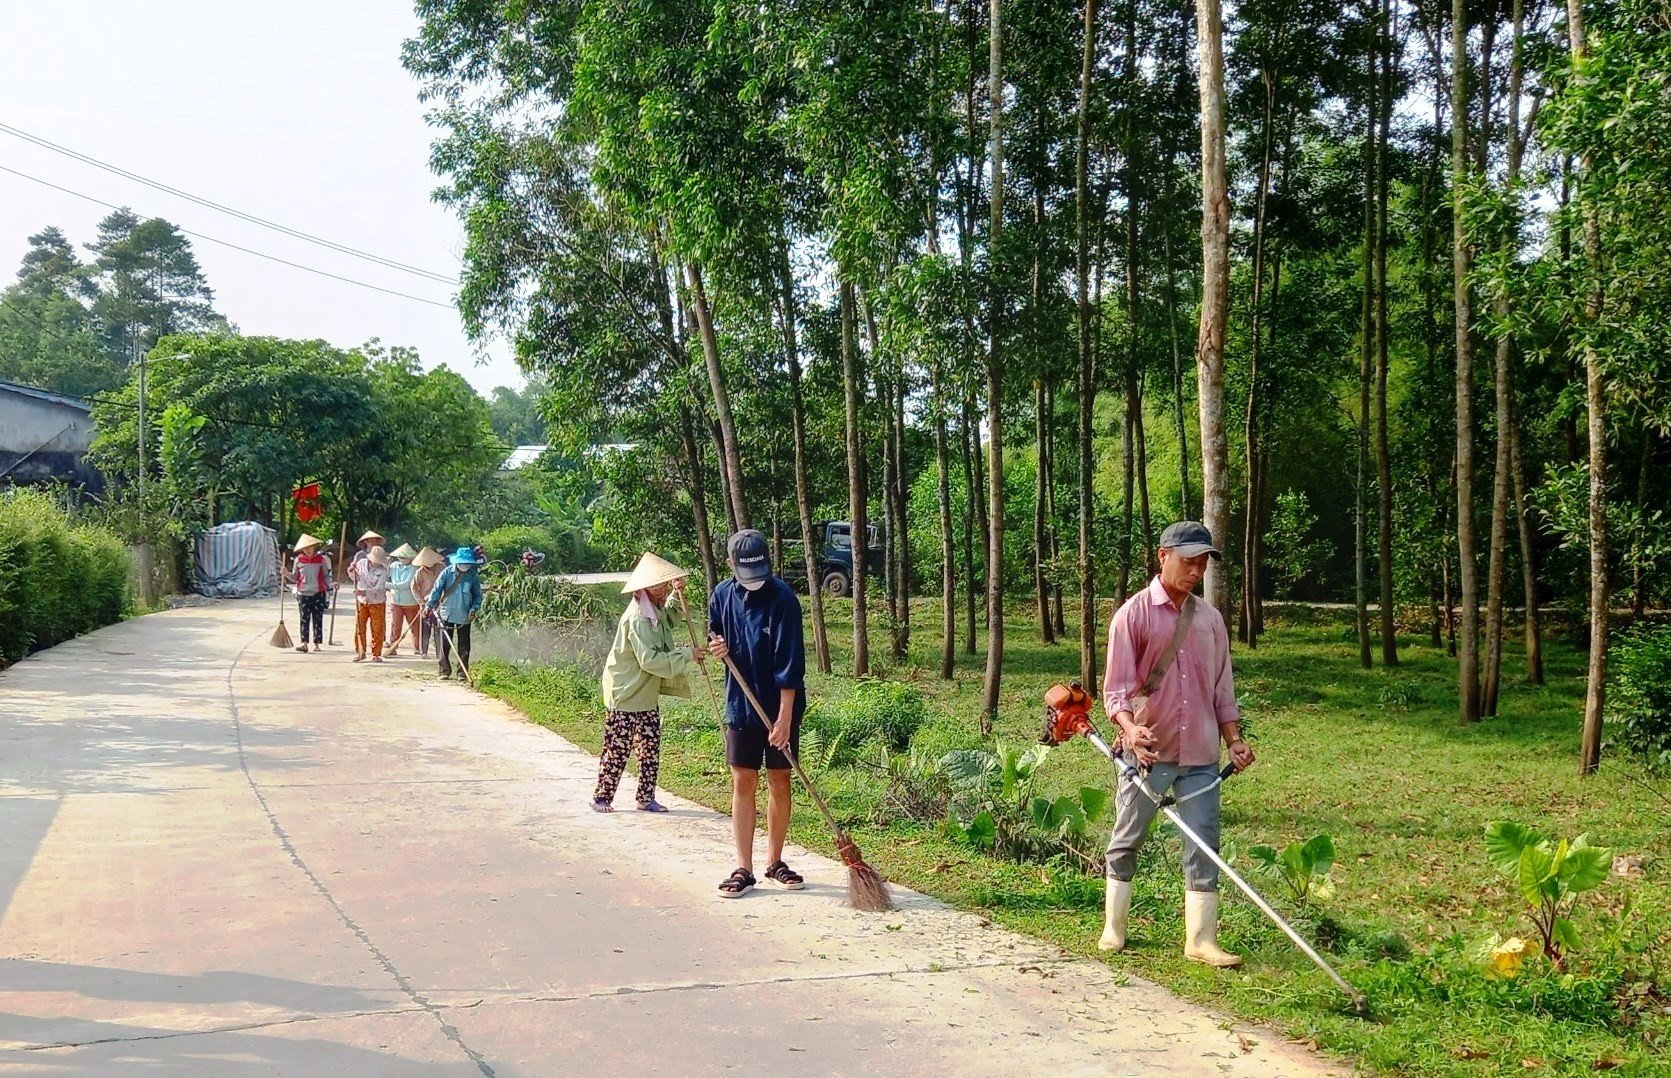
[1164,662]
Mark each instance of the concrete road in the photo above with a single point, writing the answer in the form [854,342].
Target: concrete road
[223,859]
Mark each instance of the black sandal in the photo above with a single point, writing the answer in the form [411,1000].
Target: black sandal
[739,883]
[785,877]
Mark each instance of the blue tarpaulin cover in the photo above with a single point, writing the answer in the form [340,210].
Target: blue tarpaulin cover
[237,561]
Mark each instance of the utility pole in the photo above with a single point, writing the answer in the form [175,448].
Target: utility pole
[139,359]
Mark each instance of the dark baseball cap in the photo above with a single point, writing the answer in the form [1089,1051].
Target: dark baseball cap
[1189,539]
[750,558]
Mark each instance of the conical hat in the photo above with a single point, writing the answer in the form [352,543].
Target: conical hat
[651,571]
[428,558]
[404,550]
[306,541]
[369,535]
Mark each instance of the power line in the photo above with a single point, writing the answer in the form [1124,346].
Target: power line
[236,247]
[222,208]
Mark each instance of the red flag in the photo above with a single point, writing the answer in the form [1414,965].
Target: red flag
[306,498]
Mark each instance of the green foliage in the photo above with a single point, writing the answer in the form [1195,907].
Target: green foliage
[994,807]
[1549,875]
[60,578]
[1303,867]
[1639,695]
[1293,557]
[517,598]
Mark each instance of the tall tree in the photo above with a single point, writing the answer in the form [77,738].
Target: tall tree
[1215,294]
[995,382]
[1468,682]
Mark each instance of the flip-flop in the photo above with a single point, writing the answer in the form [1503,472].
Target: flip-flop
[652,806]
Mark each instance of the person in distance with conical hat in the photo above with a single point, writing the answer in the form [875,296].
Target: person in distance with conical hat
[311,580]
[644,664]
[403,602]
[428,564]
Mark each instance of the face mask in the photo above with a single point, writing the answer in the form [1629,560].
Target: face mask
[752,585]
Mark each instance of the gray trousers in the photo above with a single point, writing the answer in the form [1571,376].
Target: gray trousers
[1134,812]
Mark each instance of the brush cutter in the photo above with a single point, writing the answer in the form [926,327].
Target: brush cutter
[866,889]
[1067,714]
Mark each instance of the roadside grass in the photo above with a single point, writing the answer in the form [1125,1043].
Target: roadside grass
[1375,758]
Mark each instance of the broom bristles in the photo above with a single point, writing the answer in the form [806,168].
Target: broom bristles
[867,890]
[281,637]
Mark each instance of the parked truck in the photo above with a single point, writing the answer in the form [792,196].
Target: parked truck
[835,558]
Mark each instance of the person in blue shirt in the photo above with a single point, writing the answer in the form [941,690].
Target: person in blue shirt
[456,597]
[755,618]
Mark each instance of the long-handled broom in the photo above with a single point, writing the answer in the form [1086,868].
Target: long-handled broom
[281,635]
[866,889]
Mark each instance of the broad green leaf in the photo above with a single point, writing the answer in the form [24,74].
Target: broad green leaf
[1264,857]
[1504,843]
[983,831]
[1534,872]
[1567,933]
[1319,854]
[1093,800]
[1586,868]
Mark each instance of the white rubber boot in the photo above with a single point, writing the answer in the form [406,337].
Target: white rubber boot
[1201,931]
[1116,913]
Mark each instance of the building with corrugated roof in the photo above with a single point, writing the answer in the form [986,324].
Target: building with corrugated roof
[44,437]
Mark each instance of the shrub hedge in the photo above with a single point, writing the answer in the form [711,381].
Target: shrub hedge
[57,578]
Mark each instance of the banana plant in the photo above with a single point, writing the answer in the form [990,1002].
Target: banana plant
[1549,874]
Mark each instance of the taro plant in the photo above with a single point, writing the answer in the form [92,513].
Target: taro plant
[991,793]
[1303,867]
[1549,874]
[1070,820]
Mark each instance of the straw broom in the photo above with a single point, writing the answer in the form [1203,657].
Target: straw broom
[281,635]
[866,888]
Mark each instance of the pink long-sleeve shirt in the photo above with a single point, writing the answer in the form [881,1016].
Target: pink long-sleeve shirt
[1194,698]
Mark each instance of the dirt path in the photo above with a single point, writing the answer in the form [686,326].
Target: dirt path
[224,859]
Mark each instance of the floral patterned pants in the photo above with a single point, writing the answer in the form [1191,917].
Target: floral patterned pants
[623,733]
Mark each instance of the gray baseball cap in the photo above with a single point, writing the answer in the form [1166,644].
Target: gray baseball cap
[1189,539]
[751,559]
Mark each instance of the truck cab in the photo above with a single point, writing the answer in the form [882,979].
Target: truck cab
[835,557]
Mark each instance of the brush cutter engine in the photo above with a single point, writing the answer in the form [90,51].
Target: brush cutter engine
[1067,714]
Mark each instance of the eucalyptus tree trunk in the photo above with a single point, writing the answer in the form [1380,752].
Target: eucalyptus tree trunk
[1595,393]
[1041,434]
[1383,452]
[971,494]
[902,643]
[1087,355]
[1497,569]
[1250,429]
[732,456]
[810,542]
[1366,366]
[1468,683]
[1180,427]
[948,553]
[698,497]
[1215,293]
[995,388]
[858,517]
[1528,566]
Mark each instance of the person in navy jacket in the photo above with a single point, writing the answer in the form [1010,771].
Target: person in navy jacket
[755,618]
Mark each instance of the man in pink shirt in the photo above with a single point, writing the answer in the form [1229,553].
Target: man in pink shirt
[1172,726]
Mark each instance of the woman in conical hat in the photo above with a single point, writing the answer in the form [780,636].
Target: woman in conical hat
[310,577]
[428,564]
[644,664]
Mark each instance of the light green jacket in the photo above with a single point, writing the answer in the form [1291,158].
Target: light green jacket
[644,663]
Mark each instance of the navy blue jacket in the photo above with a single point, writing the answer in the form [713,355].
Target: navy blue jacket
[763,630]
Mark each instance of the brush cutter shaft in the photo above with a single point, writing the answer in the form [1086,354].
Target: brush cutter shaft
[1127,771]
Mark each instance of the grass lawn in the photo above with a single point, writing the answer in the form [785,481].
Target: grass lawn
[1374,758]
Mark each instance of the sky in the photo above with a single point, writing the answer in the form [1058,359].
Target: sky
[299,113]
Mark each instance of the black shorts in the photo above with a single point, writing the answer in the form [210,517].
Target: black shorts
[748,746]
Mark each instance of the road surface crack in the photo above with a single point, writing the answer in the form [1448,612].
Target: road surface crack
[324,892]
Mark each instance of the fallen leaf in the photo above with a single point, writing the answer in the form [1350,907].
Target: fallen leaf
[1531,1064]
[1606,1063]
[1246,1044]
[1469,1053]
